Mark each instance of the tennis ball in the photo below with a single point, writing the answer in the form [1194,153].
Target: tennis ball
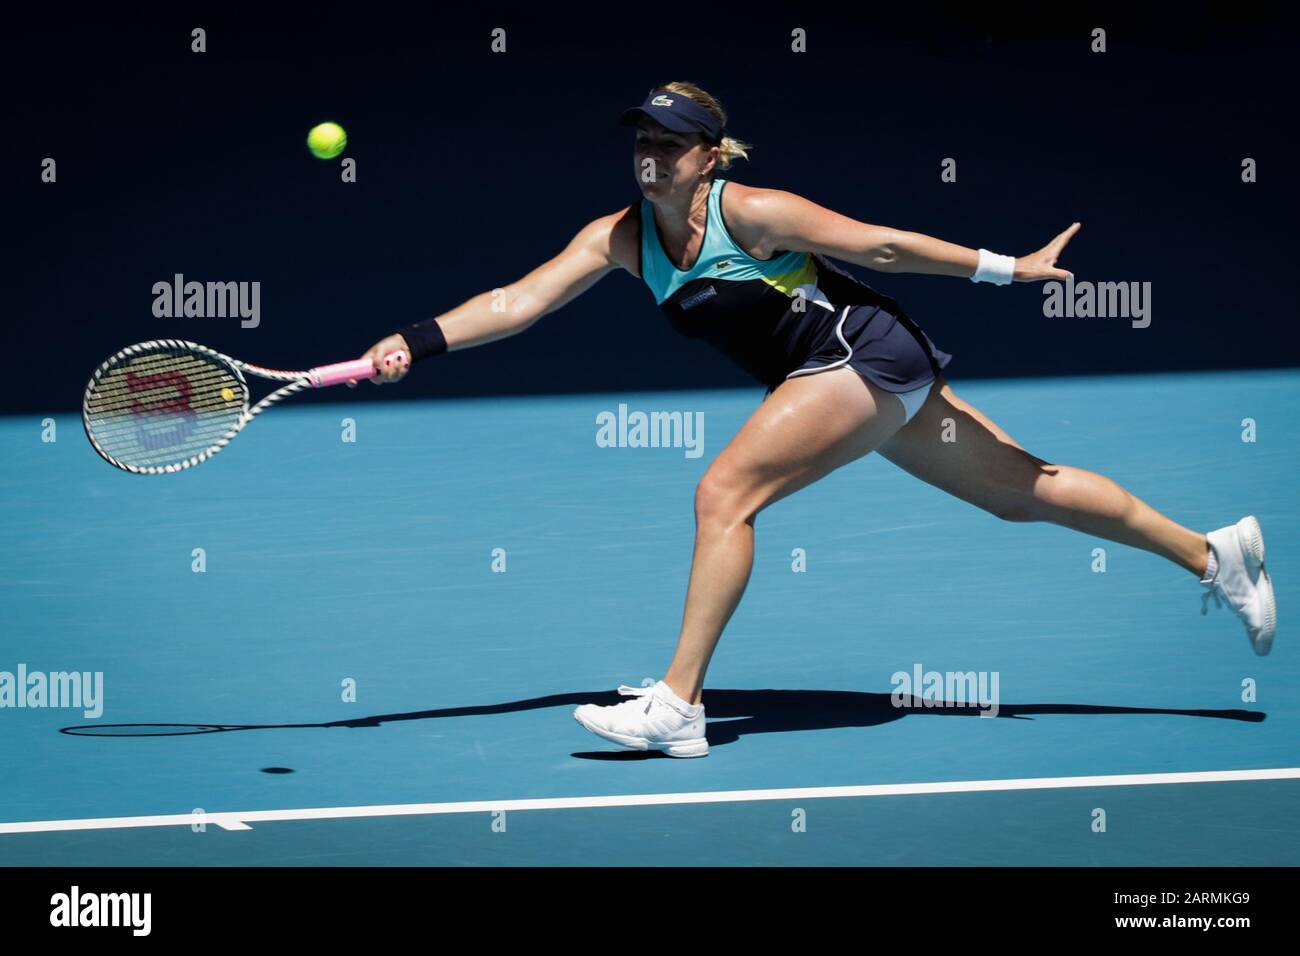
[327,140]
[228,394]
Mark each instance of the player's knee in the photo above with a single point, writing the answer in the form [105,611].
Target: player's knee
[1030,506]
[1036,495]
[711,495]
[719,497]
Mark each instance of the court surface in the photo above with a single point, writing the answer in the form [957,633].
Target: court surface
[332,564]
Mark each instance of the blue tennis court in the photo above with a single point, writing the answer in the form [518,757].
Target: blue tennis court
[379,661]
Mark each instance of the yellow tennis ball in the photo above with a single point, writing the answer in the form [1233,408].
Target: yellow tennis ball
[327,140]
[228,394]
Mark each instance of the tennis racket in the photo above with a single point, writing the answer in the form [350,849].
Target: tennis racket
[163,406]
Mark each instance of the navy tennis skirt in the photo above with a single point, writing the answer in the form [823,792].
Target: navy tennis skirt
[881,344]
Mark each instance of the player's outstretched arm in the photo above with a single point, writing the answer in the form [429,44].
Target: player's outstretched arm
[507,311]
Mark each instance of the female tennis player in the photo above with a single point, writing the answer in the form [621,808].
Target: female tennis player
[848,372]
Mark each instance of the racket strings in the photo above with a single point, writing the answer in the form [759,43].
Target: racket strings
[163,407]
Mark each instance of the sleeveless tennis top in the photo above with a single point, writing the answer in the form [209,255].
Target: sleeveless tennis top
[770,316]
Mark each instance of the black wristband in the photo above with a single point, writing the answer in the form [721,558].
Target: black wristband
[425,339]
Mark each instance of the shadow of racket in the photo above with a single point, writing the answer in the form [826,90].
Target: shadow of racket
[188,730]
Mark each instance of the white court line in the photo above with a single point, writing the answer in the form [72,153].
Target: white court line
[240,820]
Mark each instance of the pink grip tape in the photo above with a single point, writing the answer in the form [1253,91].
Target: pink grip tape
[356,370]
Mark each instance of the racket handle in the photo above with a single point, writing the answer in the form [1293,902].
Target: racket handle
[356,370]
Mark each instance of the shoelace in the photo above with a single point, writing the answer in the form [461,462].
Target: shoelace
[627,690]
[646,692]
[1210,592]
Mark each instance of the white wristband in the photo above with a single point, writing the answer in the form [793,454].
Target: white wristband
[999,270]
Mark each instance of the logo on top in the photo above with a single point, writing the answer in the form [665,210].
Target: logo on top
[662,100]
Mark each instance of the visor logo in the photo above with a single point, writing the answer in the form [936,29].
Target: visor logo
[662,100]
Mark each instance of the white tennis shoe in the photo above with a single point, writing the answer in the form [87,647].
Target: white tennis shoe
[1243,582]
[655,719]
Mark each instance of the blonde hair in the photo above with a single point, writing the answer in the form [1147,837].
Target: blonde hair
[730,147]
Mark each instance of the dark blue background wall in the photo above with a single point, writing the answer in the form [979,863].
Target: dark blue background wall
[475,167]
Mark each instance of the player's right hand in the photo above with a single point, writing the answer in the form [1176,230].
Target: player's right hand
[384,347]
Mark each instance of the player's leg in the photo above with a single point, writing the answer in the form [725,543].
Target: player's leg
[809,426]
[952,445]
[985,466]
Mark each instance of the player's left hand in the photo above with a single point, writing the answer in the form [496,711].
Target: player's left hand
[1041,265]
